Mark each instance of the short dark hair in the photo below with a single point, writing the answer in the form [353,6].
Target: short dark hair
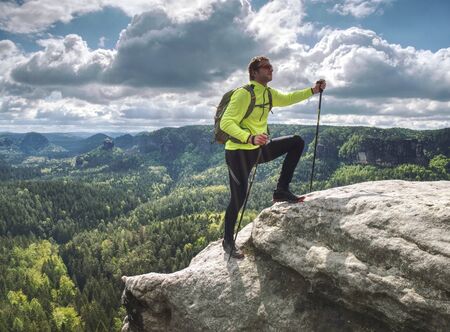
[254,64]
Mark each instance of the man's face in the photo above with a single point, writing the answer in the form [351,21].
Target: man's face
[264,72]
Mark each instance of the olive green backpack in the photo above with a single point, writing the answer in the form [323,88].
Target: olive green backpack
[220,136]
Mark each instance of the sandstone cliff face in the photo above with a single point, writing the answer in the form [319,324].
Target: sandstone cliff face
[373,256]
[376,151]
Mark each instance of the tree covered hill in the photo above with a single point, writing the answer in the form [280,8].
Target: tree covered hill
[71,224]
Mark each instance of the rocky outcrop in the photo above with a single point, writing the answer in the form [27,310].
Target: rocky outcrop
[108,144]
[377,151]
[91,143]
[373,256]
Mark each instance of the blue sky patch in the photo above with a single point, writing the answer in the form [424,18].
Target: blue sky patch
[91,27]
[417,23]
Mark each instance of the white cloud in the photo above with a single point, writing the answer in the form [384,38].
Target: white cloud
[152,51]
[7,49]
[10,105]
[156,51]
[30,16]
[180,11]
[65,61]
[101,42]
[14,109]
[277,24]
[358,63]
[394,112]
[33,16]
[9,56]
[12,96]
[360,8]
[68,110]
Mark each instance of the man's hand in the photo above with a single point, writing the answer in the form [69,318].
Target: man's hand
[320,86]
[260,139]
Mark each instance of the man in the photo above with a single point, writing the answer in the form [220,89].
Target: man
[254,143]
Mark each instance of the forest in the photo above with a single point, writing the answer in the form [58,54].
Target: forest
[76,214]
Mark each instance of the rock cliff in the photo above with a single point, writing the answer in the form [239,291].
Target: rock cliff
[377,151]
[373,256]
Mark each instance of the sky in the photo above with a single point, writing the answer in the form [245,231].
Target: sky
[140,65]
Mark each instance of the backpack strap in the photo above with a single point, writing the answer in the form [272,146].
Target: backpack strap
[270,107]
[250,88]
[270,99]
[251,106]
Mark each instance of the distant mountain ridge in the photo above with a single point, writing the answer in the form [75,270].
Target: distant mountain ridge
[192,147]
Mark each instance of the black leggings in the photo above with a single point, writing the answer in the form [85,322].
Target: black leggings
[240,163]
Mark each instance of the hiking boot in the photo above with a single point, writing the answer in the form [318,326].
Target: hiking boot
[232,250]
[284,195]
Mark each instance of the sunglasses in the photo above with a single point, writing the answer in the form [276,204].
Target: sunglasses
[269,67]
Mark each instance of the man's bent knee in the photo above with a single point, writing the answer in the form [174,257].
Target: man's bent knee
[299,142]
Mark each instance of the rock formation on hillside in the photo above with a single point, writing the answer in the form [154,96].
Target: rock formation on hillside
[373,256]
[108,144]
[376,151]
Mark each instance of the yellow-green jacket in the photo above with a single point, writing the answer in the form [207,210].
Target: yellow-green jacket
[256,122]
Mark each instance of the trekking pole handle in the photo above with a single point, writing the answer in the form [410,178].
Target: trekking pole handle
[320,82]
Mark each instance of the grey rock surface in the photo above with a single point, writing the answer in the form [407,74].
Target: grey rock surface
[373,256]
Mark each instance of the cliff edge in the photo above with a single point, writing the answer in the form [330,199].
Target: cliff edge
[373,256]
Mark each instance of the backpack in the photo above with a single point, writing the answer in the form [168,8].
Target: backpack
[222,137]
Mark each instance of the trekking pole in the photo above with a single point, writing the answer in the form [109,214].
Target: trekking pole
[246,198]
[317,138]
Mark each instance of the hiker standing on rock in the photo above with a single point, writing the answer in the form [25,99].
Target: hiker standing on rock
[245,121]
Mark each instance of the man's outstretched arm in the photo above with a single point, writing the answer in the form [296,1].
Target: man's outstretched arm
[286,99]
